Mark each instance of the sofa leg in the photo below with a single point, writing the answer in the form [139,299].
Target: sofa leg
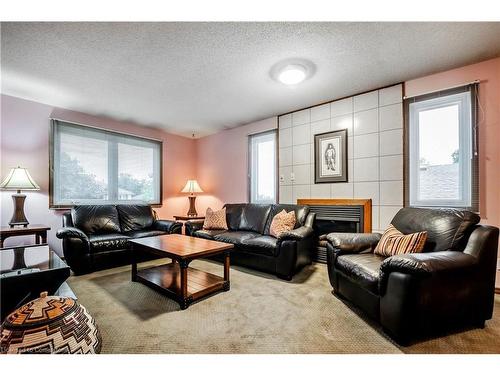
[480,323]
[285,277]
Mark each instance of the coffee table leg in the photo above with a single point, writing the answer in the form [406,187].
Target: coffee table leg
[227,284]
[134,265]
[185,300]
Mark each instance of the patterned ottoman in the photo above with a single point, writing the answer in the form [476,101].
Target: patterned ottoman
[50,325]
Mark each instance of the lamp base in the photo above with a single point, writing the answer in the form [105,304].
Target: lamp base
[192,208]
[18,217]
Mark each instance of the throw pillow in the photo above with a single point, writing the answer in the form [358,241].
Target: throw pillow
[393,242]
[215,219]
[282,222]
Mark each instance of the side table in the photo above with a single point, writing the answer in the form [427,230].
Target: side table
[185,218]
[39,230]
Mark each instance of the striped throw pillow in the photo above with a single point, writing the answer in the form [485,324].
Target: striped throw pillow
[393,242]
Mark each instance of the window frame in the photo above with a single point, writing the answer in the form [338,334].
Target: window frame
[55,122]
[249,166]
[466,98]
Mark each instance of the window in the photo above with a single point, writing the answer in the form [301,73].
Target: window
[90,165]
[262,167]
[442,157]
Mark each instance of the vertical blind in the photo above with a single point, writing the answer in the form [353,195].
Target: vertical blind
[90,165]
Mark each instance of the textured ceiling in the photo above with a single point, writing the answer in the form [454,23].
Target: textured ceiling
[202,77]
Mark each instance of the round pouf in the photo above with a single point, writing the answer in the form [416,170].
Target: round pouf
[48,325]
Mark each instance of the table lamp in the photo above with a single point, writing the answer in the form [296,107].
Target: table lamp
[191,188]
[19,179]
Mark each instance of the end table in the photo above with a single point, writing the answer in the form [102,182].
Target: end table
[39,230]
[185,218]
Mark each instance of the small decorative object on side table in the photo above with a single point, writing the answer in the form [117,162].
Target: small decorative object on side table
[39,230]
[50,325]
[19,179]
[27,271]
[192,187]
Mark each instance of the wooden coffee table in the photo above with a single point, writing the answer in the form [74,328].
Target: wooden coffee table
[177,280]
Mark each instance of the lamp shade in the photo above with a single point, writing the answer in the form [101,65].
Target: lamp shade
[192,187]
[19,179]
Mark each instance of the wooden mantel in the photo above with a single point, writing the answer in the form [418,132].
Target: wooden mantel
[366,203]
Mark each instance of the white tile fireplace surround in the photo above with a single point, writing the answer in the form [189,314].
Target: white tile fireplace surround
[374,123]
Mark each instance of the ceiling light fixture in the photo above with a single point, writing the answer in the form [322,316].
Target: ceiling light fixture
[292,74]
[292,71]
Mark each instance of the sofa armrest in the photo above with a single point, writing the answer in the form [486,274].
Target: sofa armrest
[168,226]
[193,225]
[440,263]
[76,249]
[297,234]
[353,242]
[71,232]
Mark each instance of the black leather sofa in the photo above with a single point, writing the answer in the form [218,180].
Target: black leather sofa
[97,236]
[450,284]
[248,229]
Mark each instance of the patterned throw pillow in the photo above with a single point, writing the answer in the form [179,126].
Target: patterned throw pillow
[393,242]
[215,219]
[282,222]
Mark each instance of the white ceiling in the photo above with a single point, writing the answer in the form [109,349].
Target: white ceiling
[203,77]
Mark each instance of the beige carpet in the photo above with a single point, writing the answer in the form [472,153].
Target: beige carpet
[260,314]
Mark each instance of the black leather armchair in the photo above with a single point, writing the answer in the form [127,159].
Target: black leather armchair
[97,236]
[248,230]
[450,284]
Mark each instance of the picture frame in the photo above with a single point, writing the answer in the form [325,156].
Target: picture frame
[330,157]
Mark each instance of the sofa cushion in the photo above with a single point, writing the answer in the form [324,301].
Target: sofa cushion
[96,219]
[108,242]
[144,233]
[233,215]
[254,217]
[235,237]
[215,219]
[447,228]
[363,269]
[265,245]
[135,216]
[301,213]
[208,233]
[393,242]
[282,222]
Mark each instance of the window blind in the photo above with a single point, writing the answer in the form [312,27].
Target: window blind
[90,165]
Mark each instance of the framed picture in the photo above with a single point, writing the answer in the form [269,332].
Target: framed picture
[330,157]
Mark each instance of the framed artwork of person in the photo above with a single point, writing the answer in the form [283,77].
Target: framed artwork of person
[330,157]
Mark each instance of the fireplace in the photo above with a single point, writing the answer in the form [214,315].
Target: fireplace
[337,215]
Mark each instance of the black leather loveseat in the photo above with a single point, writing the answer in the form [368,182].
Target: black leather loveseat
[248,229]
[97,236]
[450,284]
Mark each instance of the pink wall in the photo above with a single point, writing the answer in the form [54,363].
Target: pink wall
[25,142]
[222,164]
[488,72]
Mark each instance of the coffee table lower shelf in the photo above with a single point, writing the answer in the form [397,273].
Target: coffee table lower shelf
[166,279]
